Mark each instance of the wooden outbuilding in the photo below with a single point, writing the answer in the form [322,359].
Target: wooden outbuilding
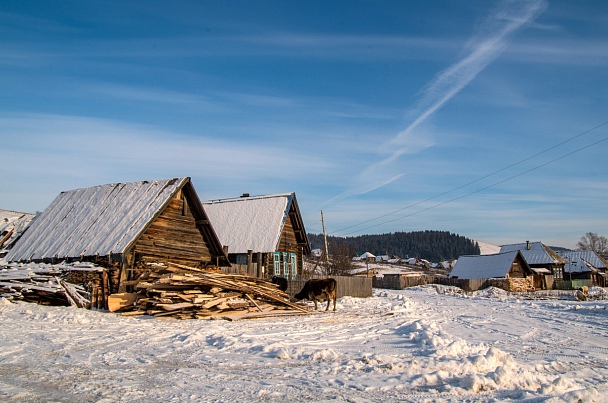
[264,235]
[498,265]
[123,227]
[508,270]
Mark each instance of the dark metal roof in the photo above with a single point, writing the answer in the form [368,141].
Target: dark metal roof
[580,260]
[535,253]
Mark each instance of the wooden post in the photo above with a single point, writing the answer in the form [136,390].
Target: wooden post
[104,289]
[259,263]
[250,262]
[325,240]
[94,302]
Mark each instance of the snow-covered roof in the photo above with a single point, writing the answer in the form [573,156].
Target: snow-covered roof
[12,225]
[99,220]
[535,253]
[486,248]
[367,255]
[250,222]
[577,259]
[317,252]
[484,266]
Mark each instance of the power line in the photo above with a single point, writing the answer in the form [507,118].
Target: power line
[477,180]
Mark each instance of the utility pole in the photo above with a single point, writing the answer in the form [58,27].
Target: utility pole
[325,240]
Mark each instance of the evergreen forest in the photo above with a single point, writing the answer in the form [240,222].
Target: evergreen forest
[434,246]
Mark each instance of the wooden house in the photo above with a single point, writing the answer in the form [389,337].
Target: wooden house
[585,265]
[123,226]
[498,265]
[507,270]
[264,235]
[544,261]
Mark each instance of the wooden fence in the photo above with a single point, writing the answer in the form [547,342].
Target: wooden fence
[240,269]
[465,284]
[572,284]
[398,282]
[359,287]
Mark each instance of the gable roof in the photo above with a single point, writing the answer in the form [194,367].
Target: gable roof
[580,260]
[535,253]
[484,266]
[105,220]
[255,222]
[12,225]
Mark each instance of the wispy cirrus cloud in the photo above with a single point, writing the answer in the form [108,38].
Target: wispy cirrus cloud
[486,45]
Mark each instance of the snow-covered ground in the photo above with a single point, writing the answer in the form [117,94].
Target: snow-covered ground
[420,344]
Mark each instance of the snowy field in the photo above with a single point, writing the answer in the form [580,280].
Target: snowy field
[412,345]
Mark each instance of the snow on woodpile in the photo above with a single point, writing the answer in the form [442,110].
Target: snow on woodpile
[45,283]
[12,226]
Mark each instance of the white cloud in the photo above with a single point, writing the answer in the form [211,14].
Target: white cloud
[483,48]
[99,151]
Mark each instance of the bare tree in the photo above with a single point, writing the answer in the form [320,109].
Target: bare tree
[341,260]
[594,242]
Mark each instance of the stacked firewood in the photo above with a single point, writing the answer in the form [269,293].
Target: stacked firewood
[188,293]
[42,284]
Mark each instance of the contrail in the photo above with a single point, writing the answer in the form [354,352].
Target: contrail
[482,49]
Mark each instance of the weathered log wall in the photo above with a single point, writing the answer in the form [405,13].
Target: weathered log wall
[174,237]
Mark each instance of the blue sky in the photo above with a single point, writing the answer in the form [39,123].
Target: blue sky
[486,119]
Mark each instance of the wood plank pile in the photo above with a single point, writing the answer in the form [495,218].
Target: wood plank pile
[184,292]
[44,285]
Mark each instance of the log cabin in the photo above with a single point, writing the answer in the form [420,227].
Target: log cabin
[507,270]
[498,265]
[547,265]
[124,226]
[264,235]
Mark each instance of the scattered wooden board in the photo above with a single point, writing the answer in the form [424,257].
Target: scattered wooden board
[184,292]
[120,301]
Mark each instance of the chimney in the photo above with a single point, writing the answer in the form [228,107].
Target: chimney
[245,195]
[528,245]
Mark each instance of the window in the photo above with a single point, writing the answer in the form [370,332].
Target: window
[285,264]
[558,273]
